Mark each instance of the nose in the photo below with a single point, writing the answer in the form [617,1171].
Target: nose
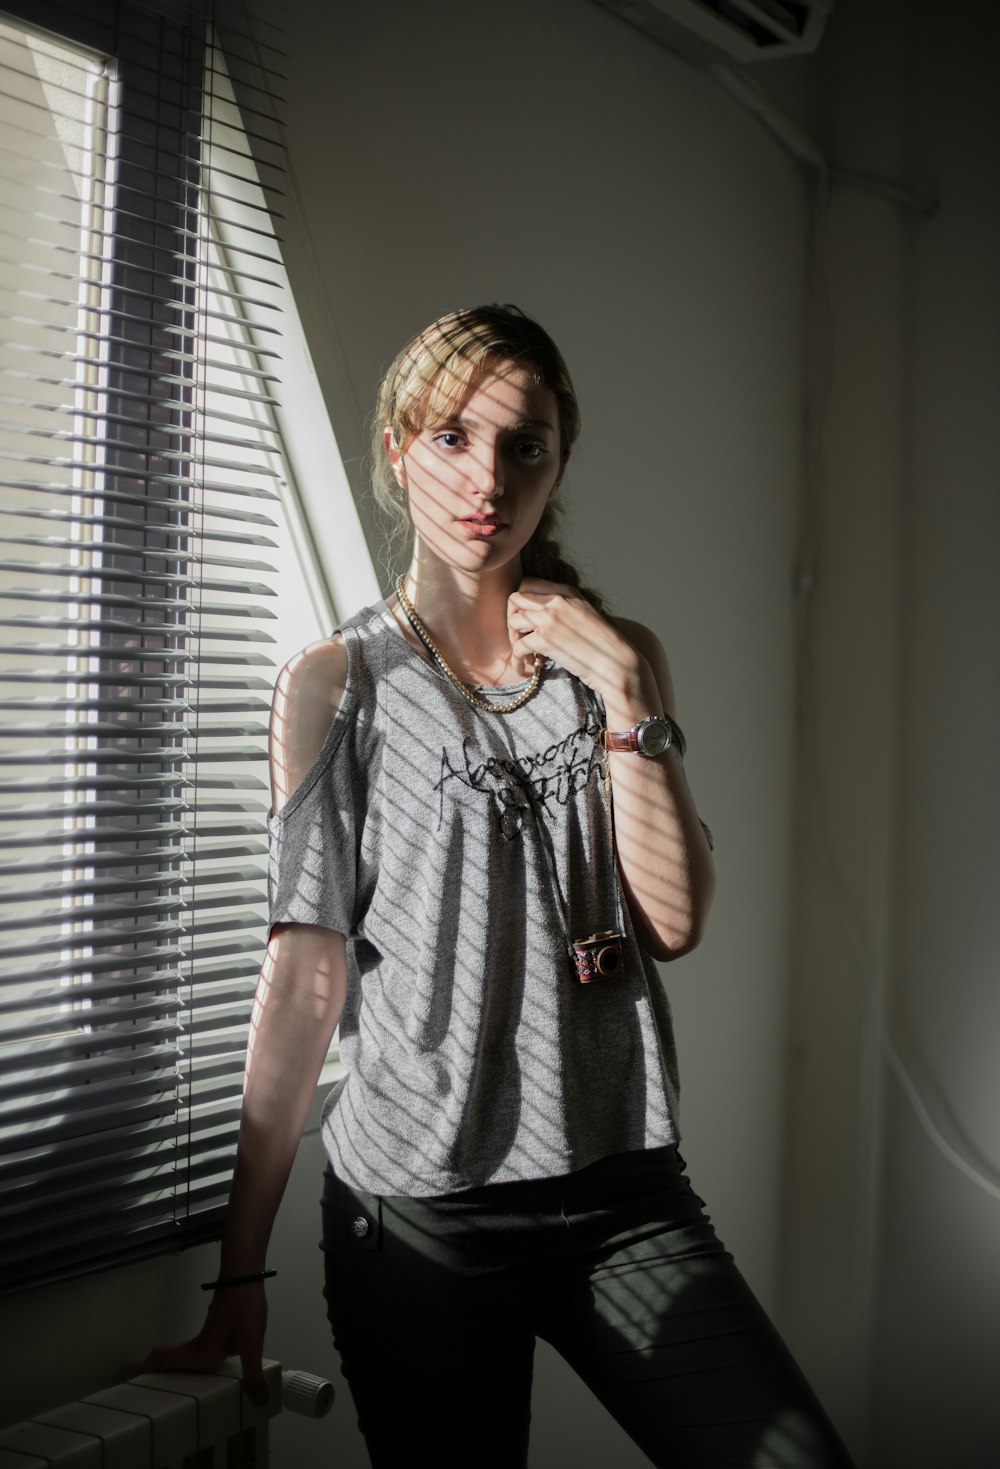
[487,478]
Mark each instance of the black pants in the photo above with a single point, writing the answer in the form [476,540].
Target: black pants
[435,1305]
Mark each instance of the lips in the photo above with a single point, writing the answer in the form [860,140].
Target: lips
[481,525]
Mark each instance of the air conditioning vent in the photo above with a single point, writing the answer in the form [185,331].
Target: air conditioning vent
[746,30]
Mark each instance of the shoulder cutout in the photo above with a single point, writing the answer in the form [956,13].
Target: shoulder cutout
[648,644]
[307,695]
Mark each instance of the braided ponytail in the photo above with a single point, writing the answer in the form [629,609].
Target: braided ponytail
[543,557]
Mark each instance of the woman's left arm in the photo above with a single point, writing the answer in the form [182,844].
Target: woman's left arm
[663,854]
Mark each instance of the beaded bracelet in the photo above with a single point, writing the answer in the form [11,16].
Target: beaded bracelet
[225,1281]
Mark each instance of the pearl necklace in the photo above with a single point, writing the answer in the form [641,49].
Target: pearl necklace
[507,706]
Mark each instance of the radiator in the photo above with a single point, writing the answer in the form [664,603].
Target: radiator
[164,1420]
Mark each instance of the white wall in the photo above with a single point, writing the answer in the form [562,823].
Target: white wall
[561,161]
[549,155]
[891,1278]
[938,1344]
[848,731]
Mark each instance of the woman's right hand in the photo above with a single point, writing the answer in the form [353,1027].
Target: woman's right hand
[234,1326]
[298,1004]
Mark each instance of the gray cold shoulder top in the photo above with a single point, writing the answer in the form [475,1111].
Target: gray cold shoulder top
[460,851]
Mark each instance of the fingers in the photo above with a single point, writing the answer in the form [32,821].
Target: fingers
[528,614]
[235,1323]
[254,1382]
[245,1314]
[552,617]
[560,624]
[531,594]
[523,664]
[197,1356]
[539,601]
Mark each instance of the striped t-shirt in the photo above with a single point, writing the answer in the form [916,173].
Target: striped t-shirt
[461,851]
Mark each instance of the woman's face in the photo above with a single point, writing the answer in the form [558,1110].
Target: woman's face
[477,482]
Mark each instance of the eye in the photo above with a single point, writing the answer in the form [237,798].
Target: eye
[448,438]
[530,449]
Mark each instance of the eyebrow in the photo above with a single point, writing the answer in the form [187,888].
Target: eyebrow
[510,428]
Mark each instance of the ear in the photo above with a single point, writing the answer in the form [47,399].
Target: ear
[394,454]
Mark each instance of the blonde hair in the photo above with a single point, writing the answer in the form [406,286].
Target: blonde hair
[427,382]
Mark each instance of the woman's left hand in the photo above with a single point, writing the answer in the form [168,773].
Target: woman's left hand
[558,622]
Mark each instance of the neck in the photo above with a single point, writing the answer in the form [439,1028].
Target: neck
[466,614]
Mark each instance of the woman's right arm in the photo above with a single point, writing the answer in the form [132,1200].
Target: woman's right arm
[299,1000]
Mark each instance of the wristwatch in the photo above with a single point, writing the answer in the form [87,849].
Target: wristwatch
[652,736]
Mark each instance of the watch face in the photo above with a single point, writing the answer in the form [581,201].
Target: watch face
[653,737]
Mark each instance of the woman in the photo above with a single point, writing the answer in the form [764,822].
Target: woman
[447,884]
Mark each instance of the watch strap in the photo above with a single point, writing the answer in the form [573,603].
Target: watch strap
[626,741]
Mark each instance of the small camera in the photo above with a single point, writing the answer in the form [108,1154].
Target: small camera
[599,957]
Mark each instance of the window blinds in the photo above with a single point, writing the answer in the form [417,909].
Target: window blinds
[139,485]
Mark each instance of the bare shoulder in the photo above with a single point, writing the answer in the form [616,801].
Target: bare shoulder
[645,641]
[308,692]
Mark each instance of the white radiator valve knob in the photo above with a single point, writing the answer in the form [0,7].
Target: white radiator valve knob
[303,1393]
